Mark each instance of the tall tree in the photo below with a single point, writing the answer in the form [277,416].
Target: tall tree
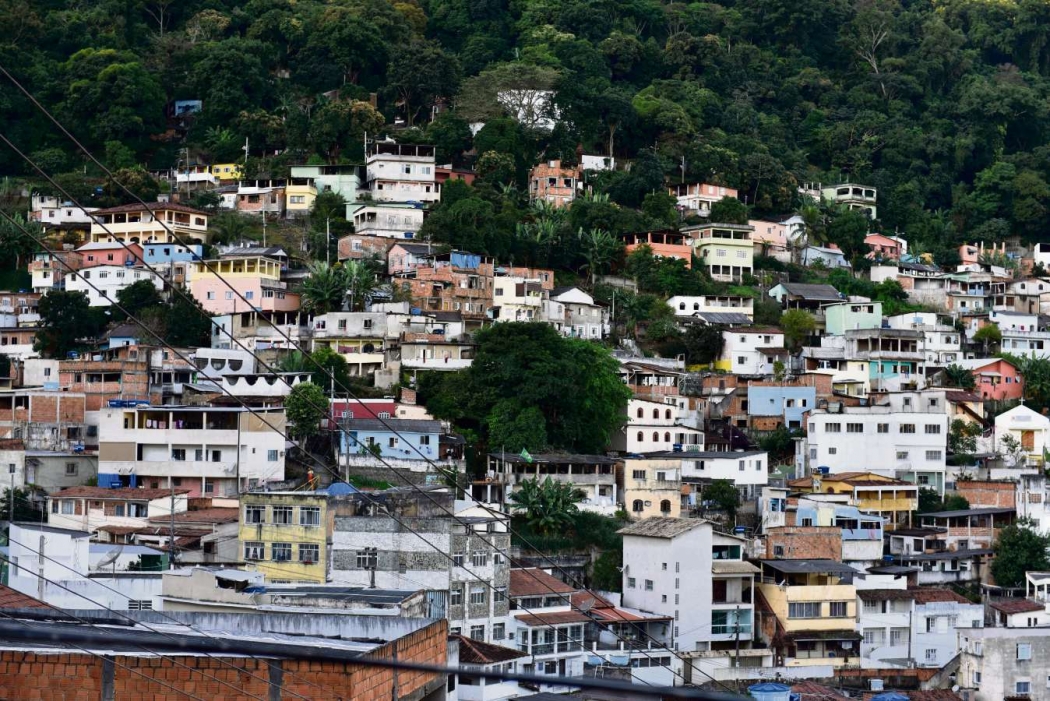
[67,322]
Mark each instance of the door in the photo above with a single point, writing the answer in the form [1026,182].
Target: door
[1028,440]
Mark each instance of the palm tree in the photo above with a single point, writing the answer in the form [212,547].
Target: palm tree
[360,283]
[325,289]
[599,249]
[549,506]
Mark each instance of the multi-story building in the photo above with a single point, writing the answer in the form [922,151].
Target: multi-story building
[926,550]
[994,378]
[751,350]
[516,298]
[409,444]
[52,211]
[780,404]
[400,172]
[895,359]
[1028,430]
[652,485]
[110,253]
[688,571]
[810,609]
[287,536]
[1004,663]
[97,509]
[942,343]
[697,198]
[574,314]
[594,475]
[546,627]
[653,426]
[48,270]
[101,284]
[205,450]
[554,183]
[662,244]
[388,220]
[427,548]
[724,250]
[811,298]
[820,529]
[361,338]
[255,279]
[362,246]
[747,470]
[852,196]
[904,437]
[159,222]
[343,180]
[913,627]
[851,315]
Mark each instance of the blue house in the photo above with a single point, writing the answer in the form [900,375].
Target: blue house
[788,403]
[160,253]
[401,439]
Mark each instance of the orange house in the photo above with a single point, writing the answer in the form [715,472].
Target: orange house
[664,244]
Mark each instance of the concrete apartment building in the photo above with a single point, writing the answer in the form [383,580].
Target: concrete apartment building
[554,183]
[371,549]
[916,627]
[243,284]
[652,485]
[1004,663]
[287,536]
[160,222]
[725,250]
[210,451]
[400,172]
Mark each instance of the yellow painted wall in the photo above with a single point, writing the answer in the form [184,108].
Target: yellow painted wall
[268,533]
[778,600]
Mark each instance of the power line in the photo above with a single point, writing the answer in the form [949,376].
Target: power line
[109,173]
[49,634]
[327,410]
[440,551]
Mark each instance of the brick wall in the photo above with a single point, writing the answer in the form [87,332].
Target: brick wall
[805,542]
[988,494]
[83,677]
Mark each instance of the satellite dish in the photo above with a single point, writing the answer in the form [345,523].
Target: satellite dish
[110,557]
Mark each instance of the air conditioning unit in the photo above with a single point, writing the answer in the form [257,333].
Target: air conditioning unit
[875,684]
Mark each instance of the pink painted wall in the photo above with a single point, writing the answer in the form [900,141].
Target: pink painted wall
[1008,386]
[213,295]
[91,259]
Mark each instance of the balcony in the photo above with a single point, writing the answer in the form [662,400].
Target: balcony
[743,630]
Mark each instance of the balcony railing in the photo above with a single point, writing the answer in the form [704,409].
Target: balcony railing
[743,629]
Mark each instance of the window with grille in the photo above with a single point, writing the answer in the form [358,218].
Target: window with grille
[309,516]
[309,553]
[455,597]
[479,559]
[368,559]
[477,594]
[281,552]
[254,551]
[282,515]
[254,514]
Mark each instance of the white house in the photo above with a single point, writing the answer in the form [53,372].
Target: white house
[1030,429]
[684,569]
[385,219]
[109,281]
[751,351]
[574,313]
[748,470]
[732,310]
[401,172]
[906,437]
[51,211]
[911,628]
[942,343]
[56,566]
[545,625]
[655,426]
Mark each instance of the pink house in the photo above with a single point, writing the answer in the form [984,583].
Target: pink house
[256,283]
[109,253]
[885,247]
[971,253]
[995,378]
[698,197]
[770,237]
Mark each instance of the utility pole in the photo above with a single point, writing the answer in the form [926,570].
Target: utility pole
[328,240]
[171,548]
[736,657]
[11,501]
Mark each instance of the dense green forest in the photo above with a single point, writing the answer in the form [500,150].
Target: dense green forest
[943,106]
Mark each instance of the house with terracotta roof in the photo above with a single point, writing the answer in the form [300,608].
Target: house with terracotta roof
[912,627]
[1021,613]
[477,654]
[891,498]
[546,626]
[108,512]
[203,535]
[158,222]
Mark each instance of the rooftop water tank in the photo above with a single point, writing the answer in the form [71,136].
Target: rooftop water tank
[769,691]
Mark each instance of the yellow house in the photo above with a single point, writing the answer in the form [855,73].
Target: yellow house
[301,194]
[726,250]
[159,222]
[287,536]
[813,607]
[226,171]
[652,486]
[891,498]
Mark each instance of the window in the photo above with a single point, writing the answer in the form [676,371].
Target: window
[648,585]
[638,474]
[281,552]
[254,551]
[71,468]
[140,604]
[477,633]
[833,428]
[178,454]
[839,609]
[499,595]
[457,559]
[282,515]
[631,582]
[907,428]
[854,428]
[899,636]
[931,654]
[804,610]
[902,454]
[367,559]
[875,637]
[210,295]
[309,553]
[933,455]
[271,455]
[455,595]
[478,594]
[778,551]
[229,295]
[976,678]
[1024,651]
[833,451]
[741,465]
[254,514]
[479,559]
[67,507]
[933,429]
[637,505]
[499,631]
[309,516]
[1023,687]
